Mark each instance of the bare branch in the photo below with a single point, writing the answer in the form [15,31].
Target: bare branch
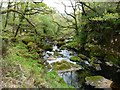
[12,10]
[88,7]
[66,11]
[68,20]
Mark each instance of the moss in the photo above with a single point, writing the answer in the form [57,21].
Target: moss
[63,65]
[48,66]
[40,45]
[94,79]
[82,56]
[63,47]
[75,59]
[72,45]
[27,39]
[31,45]
[92,59]
[60,39]
[113,58]
[98,81]
[56,53]
[96,50]
[47,47]
[60,43]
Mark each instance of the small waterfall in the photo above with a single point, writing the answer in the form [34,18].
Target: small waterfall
[69,77]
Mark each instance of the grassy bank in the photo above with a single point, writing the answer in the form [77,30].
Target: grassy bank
[21,70]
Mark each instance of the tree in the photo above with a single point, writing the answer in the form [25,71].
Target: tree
[23,12]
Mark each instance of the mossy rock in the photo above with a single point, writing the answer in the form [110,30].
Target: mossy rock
[40,45]
[92,59]
[47,47]
[63,47]
[82,56]
[39,50]
[56,53]
[98,81]
[48,66]
[27,39]
[94,79]
[60,39]
[64,65]
[32,34]
[96,50]
[31,44]
[75,59]
[60,43]
[61,67]
[72,45]
[113,58]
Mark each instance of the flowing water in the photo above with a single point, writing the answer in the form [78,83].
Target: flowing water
[73,77]
[70,77]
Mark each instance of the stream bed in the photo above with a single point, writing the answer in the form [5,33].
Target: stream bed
[70,76]
[72,72]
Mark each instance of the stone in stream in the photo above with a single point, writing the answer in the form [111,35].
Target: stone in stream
[65,66]
[98,82]
[75,59]
[51,58]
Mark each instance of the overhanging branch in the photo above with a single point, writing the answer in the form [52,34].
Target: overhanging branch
[12,10]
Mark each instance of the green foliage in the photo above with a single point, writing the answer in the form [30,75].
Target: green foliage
[98,35]
[112,58]
[45,25]
[106,16]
